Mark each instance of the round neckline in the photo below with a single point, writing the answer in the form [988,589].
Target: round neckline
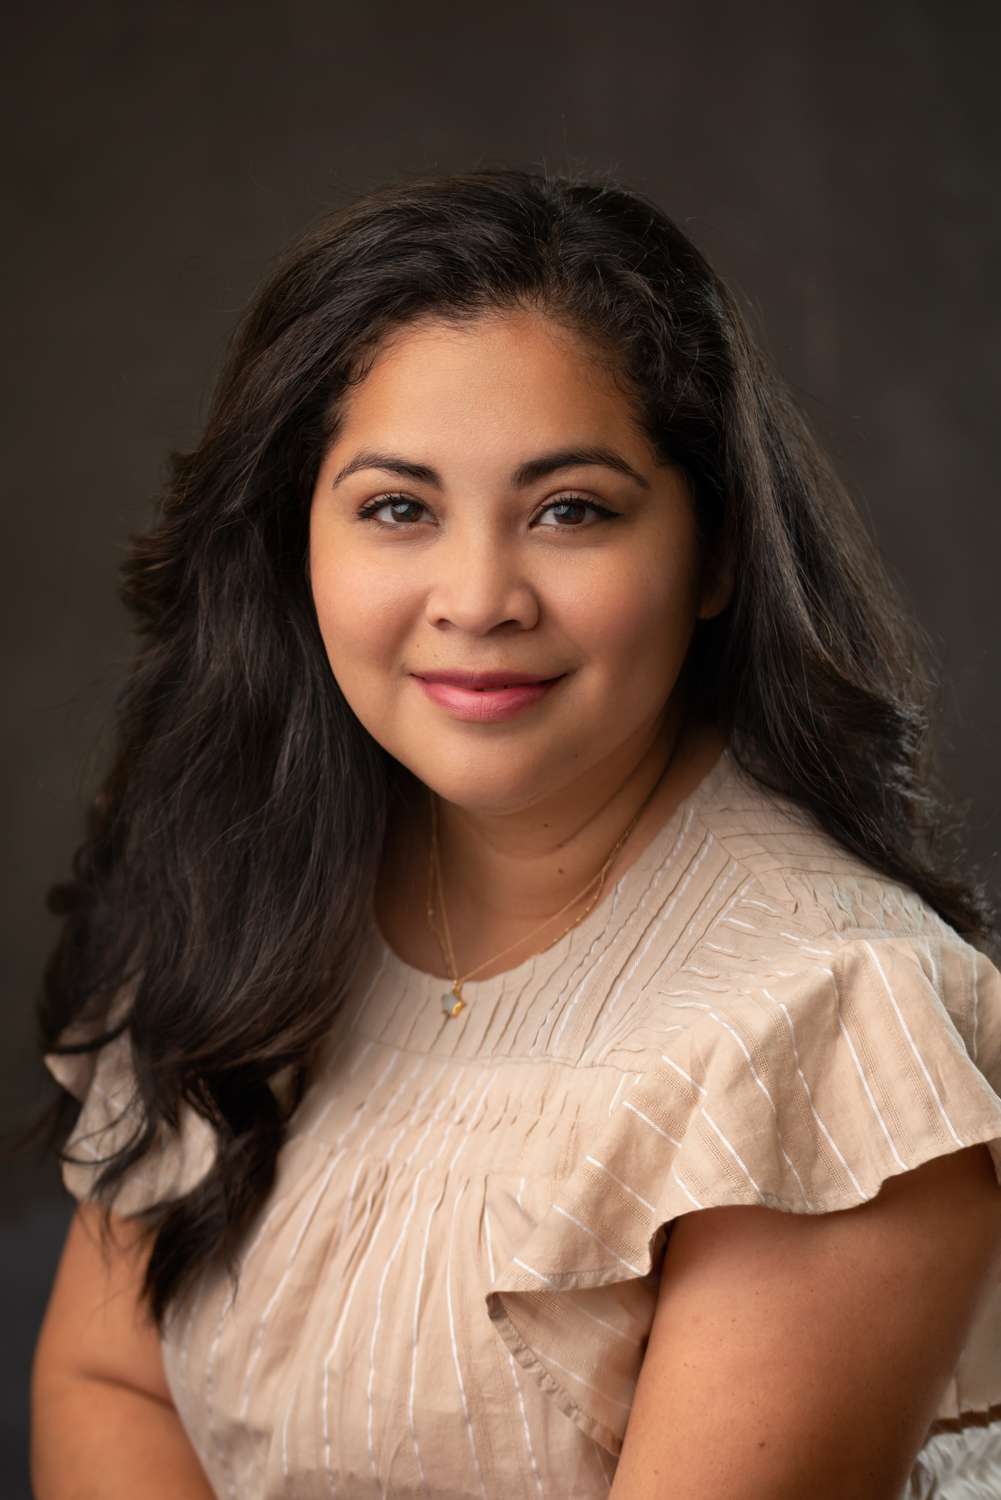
[595,919]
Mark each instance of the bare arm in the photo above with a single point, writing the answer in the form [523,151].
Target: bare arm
[103,1425]
[801,1355]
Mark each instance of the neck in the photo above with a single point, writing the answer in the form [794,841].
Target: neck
[505,874]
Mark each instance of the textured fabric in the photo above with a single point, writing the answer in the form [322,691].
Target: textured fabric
[449,1290]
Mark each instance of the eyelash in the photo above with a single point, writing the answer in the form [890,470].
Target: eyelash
[367,511]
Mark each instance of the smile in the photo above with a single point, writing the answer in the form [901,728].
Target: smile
[487,705]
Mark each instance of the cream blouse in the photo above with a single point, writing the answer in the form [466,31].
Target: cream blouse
[449,1289]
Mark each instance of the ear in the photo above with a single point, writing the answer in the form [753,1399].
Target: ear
[717,585]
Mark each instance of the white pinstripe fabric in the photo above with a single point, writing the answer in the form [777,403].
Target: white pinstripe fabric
[449,1292]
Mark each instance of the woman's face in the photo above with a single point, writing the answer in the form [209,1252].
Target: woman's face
[584,570]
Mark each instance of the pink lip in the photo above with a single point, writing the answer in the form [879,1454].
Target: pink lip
[486,706]
[495,679]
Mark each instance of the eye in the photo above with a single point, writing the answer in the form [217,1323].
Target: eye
[369,510]
[569,502]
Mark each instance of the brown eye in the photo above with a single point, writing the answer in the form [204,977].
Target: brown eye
[575,505]
[381,502]
[577,502]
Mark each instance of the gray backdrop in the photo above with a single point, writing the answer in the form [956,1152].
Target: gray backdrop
[837,161]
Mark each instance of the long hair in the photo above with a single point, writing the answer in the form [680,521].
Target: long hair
[232,849]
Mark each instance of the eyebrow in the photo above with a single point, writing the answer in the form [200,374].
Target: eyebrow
[524,475]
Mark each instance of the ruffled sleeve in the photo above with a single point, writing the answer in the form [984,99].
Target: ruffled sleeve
[110,1118]
[804,1095]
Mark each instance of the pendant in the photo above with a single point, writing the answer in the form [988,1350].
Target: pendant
[452,1004]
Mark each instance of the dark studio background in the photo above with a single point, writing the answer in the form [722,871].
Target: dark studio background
[837,162]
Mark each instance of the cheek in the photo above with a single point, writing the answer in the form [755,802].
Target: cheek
[361,610]
[636,618]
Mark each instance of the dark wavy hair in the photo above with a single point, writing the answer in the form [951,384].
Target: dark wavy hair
[231,851]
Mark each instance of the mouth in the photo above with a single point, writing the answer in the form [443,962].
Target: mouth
[479,682]
[488,704]
[501,687]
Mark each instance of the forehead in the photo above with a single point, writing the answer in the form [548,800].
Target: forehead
[516,367]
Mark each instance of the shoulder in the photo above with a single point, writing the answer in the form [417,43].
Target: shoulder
[787,866]
[112,1121]
[790,926]
[819,1029]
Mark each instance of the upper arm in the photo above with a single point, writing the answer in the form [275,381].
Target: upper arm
[794,1354]
[95,1325]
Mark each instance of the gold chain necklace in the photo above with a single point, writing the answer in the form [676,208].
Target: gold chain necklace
[452,1002]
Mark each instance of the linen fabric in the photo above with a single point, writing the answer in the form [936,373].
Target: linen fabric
[449,1289]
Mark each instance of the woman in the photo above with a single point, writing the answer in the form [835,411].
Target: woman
[483,931]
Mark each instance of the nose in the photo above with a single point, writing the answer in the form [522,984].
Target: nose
[479,582]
